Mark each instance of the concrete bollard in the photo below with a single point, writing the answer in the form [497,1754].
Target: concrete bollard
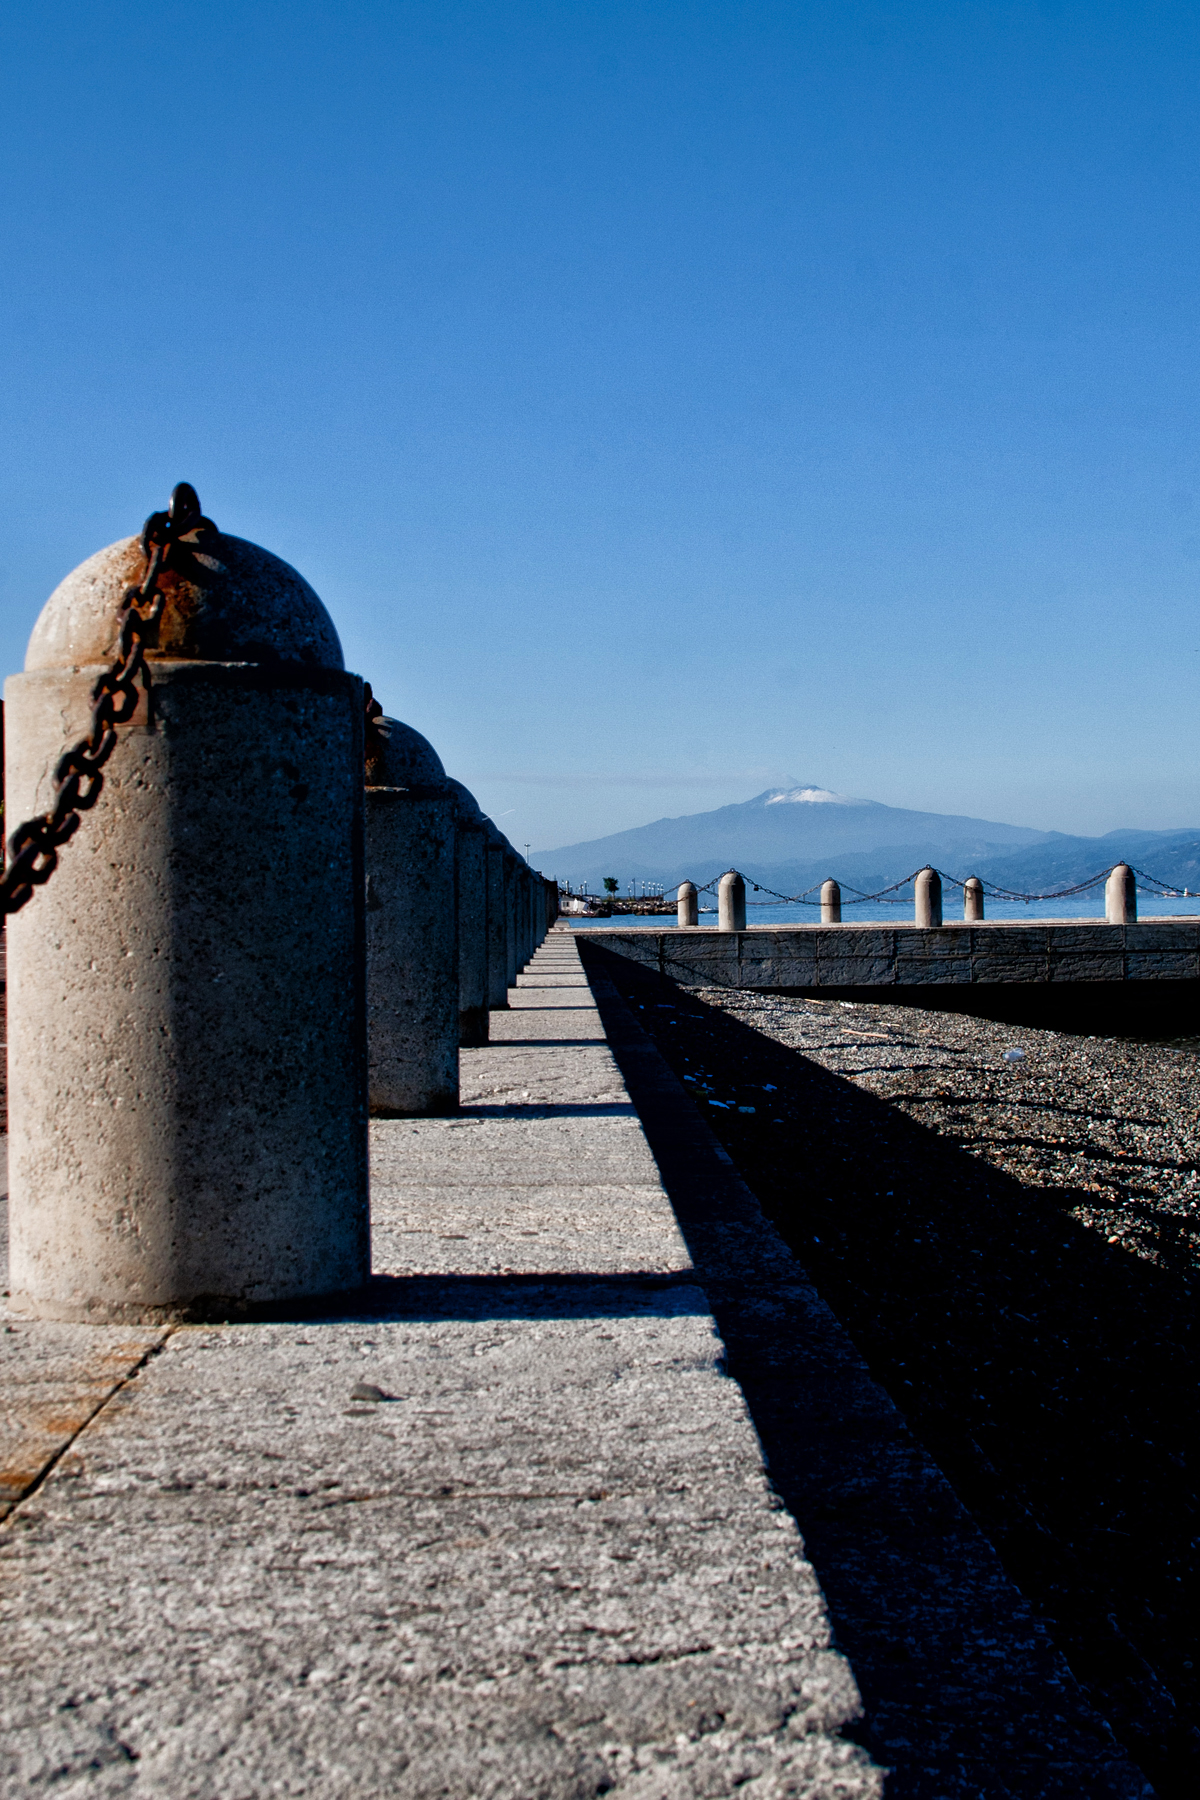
[530,938]
[412,928]
[731,902]
[470,878]
[511,912]
[929,897]
[972,898]
[497,920]
[831,903]
[186,994]
[522,913]
[1120,896]
[687,904]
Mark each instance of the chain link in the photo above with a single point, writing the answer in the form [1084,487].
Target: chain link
[375,742]
[33,847]
[1161,889]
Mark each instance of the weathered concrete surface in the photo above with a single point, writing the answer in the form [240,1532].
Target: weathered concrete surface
[812,956]
[497,919]
[53,1379]
[411,926]
[471,901]
[483,1194]
[187,1093]
[228,601]
[549,1563]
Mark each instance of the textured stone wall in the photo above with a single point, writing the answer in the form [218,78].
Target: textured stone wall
[810,956]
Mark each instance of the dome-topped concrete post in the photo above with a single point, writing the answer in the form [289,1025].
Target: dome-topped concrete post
[928,898]
[731,902]
[687,904]
[972,899]
[522,913]
[186,993]
[471,888]
[512,864]
[831,903]
[412,926]
[497,920]
[1120,896]
[528,936]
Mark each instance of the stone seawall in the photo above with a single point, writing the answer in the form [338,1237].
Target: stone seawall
[842,956]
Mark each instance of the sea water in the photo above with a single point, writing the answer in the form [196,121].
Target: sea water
[1088,906]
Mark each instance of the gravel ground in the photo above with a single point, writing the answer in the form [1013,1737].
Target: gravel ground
[1012,1244]
[1114,1124]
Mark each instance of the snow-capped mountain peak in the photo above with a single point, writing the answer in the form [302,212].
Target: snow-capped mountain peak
[812,796]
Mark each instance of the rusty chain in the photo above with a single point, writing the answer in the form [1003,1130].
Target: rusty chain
[33,847]
[375,741]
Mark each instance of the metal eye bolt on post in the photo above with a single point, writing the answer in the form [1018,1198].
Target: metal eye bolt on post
[185,960]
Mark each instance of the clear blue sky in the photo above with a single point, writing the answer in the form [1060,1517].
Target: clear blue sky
[667,399]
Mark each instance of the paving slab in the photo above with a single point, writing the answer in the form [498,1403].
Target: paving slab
[546,1561]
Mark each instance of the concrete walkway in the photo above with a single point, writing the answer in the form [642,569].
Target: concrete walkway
[547,1562]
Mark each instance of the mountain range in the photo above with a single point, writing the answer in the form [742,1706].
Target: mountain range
[790,838]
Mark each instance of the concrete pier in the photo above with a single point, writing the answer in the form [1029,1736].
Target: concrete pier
[499,1524]
[546,1560]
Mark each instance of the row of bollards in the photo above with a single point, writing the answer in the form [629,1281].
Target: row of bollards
[243,948]
[1120,900]
[453,914]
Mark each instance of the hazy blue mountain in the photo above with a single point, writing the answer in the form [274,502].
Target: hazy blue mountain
[1172,857]
[790,839]
[787,838]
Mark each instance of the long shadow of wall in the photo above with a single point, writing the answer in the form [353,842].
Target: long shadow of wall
[1053,1378]
[1152,1010]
